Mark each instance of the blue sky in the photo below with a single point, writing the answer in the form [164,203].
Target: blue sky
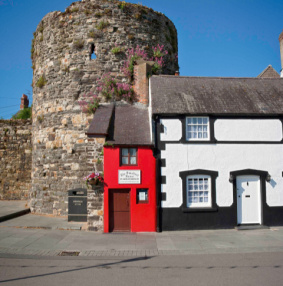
[234,38]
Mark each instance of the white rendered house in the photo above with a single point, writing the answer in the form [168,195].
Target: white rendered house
[219,145]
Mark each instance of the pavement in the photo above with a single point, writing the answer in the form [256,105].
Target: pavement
[40,235]
[12,209]
[17,214]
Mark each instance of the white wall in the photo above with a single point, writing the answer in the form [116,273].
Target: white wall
[223,158]
[172,130]
[248,130]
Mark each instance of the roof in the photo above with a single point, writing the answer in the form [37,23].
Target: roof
[226,96]
[269,72]
[101,120]
[122,124]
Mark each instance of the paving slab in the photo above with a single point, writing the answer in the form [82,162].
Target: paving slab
[43,221]
[12,209]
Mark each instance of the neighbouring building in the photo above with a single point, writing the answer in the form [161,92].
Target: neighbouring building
[220,149]
[269,72]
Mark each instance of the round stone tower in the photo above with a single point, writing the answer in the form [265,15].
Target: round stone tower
[70,51]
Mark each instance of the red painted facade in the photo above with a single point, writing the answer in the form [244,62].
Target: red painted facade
[142,215]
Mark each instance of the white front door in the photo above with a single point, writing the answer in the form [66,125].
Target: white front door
[248,199]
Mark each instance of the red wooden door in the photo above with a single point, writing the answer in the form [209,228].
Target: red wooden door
[119,210]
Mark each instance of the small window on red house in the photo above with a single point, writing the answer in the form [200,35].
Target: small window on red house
[129,156]
[142,196]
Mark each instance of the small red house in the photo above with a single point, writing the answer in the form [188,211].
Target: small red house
[129,168]
[129,192]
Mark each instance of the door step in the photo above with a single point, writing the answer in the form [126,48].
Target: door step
[251,227]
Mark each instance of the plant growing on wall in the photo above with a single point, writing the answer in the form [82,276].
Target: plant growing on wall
[76,9]
[87,12]
[40,118]
[132,57]
[122,5]
[109,88]
[159,52]
[107,144]
[135,54]
[93,34]
[101,25]
[32,48]
[117,50]
[89,103]
[78,44]
[41,82]
[158,58]
[125,91]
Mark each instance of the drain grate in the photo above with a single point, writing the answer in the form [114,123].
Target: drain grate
[69,253]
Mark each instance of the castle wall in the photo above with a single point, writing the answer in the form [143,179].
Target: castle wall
[15,159]
[64,72]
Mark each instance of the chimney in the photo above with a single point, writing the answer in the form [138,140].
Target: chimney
[281,52]
[142,72]
[177,73]
[24,102]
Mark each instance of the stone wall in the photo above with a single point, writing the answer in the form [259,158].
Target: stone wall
[95,214]
[64,72]
[15,159]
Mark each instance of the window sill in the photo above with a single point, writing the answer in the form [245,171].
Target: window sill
[196,141]
[130,165]
[195,210]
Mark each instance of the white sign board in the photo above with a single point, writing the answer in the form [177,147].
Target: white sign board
[129,176]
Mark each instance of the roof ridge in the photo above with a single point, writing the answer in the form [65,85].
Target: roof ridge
[214,77]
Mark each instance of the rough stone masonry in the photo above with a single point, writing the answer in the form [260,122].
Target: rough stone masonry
[64,70]
[15,159]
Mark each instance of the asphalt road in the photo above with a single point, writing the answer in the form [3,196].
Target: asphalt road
[205,269]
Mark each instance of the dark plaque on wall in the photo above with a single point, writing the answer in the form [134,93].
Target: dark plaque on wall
[77,205]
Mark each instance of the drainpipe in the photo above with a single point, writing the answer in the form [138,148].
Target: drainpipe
[158,180]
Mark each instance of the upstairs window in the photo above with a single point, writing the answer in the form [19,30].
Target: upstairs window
[197,128]
[128,156]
